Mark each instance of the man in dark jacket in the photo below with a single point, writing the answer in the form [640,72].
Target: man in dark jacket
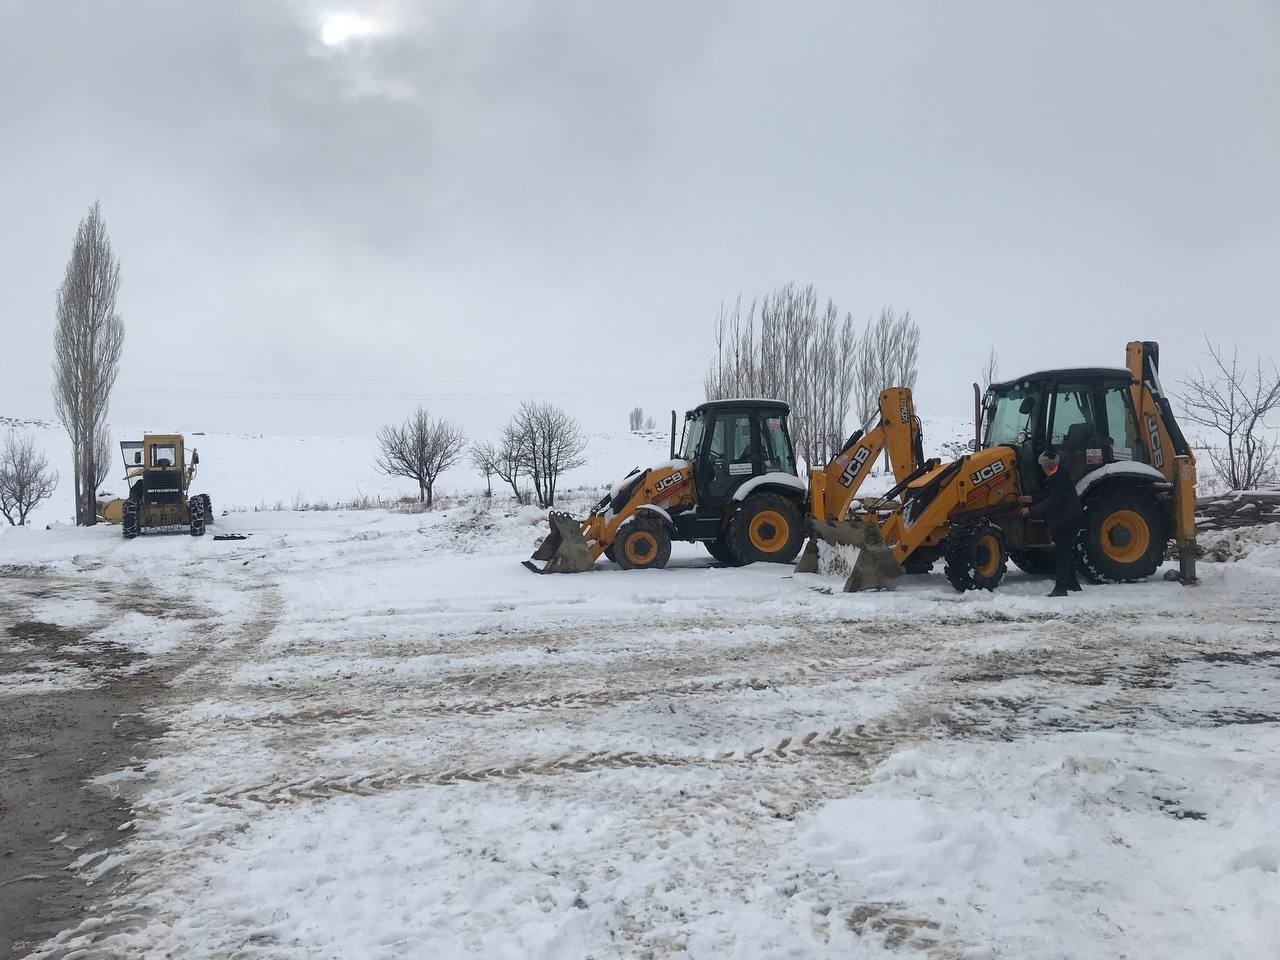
[1059,507]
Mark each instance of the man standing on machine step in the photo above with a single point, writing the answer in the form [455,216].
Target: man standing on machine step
[1059,507]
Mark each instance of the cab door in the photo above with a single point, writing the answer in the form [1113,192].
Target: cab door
[730,456]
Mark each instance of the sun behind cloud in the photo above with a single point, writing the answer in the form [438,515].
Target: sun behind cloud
[337,29]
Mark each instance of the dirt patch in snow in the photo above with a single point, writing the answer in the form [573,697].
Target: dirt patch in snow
[51,744]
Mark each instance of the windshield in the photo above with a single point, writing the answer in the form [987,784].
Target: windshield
[132,453]
[693,428]
[1010,417]
[164,455]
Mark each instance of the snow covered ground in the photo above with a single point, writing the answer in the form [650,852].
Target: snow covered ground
[384,738]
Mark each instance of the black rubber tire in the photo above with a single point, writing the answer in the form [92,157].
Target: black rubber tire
[1038,563]
[196,506]
[608,552]
[970,564]
[208,508]
[919,563]
[643,544]
[1092,559]
[129,526]
[719,550]
[748,513]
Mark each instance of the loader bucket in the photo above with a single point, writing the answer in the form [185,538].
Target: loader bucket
[850,546]
[564,549]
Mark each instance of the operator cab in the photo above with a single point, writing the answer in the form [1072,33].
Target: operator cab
[730,441]
[1085,413]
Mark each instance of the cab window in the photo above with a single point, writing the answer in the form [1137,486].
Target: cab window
[1074,423]
[693,431]
[777,452]
[164,455]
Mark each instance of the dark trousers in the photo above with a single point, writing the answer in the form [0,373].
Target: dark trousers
[1063,541]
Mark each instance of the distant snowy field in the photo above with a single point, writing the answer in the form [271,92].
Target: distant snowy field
[248,472]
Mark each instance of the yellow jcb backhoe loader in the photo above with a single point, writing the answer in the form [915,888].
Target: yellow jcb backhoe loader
[159,479]
[732,487]
[1115,430]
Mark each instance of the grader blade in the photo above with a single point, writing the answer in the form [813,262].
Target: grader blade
[853,548]
[564,549]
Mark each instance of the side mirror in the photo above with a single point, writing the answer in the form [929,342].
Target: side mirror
[195,457]
[973,445]
[137,456]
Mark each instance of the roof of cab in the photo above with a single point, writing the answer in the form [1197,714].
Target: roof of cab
[1068,374]
[739,403]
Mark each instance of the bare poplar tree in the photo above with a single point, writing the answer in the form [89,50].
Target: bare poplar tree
[420,449]
[990,369]
[1234,403]
[888,356]
[635,419]
[25,478]
[789,347]
[88,338]
[546,442]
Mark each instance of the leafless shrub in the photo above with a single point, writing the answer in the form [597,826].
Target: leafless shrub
[483,456]
[649,424]
[25,478]
[502,460]
[787,347]
[88,338]
[544,442]
[420,449]
[635,419]
[1234,403]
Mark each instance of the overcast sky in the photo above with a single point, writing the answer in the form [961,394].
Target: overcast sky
[326,212]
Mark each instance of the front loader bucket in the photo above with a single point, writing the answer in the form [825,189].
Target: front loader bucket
[853,547]
[564,549]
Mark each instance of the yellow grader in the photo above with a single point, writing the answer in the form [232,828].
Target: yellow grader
[734,487]
[159,478]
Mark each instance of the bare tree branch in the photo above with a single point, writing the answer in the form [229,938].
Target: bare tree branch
[25,479]
[544,442]
[420,449]
[1235,405]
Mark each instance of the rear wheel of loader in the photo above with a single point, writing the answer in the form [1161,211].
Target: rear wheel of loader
[719,549]
[1035,562]
[644,544]
[208,507]
[765,527]
[979,560]
[1124,536]
[196,505]
[129,526]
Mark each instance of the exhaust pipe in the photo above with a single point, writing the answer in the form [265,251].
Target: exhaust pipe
[673,434]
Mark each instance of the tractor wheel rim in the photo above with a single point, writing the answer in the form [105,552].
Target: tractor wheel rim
[1125,536]
[768,531]
[640,547]
[987,560]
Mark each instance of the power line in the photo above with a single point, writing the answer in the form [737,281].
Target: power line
[266,376]
[240,395]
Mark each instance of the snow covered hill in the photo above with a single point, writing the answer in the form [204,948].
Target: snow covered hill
[244,472]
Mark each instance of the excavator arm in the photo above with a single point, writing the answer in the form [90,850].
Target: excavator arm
[1167,449]
[832,488]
